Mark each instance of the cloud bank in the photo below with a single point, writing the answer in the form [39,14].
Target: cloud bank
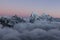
[28,31]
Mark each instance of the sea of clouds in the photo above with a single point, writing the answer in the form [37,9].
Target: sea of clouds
[31,31]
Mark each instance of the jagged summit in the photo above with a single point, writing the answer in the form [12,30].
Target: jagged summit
[33,17]
[34,14]
[44,17]
[44,14]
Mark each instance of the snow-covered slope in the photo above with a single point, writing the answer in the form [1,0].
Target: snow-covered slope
[44,17]
[40,29]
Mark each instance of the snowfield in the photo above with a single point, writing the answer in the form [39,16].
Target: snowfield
[45,28]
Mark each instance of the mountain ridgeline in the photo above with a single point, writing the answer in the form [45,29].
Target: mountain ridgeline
[11,21]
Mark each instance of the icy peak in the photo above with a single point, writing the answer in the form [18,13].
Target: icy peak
[44,14]
[34,14]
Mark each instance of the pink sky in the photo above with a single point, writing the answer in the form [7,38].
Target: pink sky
[27,12]
[25,7]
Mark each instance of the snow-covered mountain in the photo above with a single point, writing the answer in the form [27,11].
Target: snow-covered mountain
[44,17]
[33,17]
[34,27]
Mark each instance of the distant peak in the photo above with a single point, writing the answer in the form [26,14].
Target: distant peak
[44,14]
[34,13]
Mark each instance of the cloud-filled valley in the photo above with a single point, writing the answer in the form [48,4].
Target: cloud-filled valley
[35,27]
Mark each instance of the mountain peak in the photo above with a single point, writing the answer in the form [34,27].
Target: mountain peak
[44,14]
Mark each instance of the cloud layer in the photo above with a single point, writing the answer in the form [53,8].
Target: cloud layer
[31,31]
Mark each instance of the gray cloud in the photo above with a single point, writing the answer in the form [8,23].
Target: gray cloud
[34,31]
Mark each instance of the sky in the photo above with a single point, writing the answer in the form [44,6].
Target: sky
[25,7]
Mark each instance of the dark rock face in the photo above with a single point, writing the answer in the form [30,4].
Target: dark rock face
[4,22]
[10,22]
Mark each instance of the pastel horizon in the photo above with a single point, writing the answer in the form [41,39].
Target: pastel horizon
[25,7]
